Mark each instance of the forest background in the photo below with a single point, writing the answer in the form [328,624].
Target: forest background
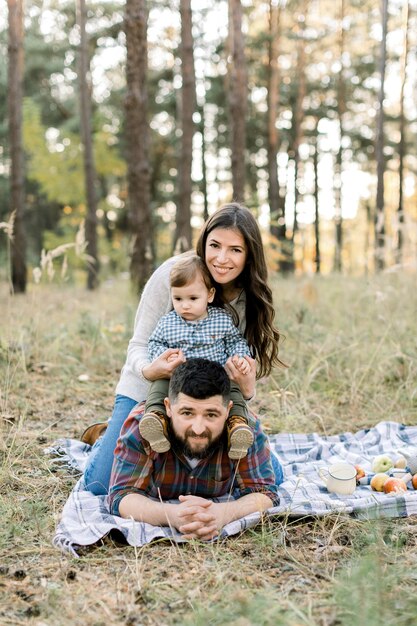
[138,119]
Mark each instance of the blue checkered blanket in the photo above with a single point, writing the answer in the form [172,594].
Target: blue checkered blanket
[86,519]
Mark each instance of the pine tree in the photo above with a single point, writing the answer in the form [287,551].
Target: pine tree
[238,94]
[183,239]
[15,96]
[379,149]
[137,140]
[87,140]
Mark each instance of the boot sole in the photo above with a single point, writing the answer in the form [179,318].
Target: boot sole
[152,430]
[240,441]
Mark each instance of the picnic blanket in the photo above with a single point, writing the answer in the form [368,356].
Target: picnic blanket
[86,518]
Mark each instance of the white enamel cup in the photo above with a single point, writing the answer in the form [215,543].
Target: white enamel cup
[339,478]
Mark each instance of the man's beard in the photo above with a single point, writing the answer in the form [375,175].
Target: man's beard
[181,444]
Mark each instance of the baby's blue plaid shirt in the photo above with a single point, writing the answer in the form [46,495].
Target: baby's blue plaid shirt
[215,338]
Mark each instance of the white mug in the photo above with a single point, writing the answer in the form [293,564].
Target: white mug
[340,479]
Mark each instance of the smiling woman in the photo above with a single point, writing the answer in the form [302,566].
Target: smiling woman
[230,244]
[225,258]
[233,230]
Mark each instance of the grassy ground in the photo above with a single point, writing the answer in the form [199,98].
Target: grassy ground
[352,349]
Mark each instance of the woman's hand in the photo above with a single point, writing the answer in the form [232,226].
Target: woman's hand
[246,381]
[164,365]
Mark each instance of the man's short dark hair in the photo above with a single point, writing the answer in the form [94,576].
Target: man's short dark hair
[200,379]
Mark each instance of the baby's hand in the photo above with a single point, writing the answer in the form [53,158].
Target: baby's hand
[241,364]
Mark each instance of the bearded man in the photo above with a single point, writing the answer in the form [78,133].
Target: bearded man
[197,467]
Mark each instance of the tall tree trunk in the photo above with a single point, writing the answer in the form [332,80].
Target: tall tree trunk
[298,110]
[317,259]
[401,146]
[238,94]
[289,265]
[338,185]
[369,227]
[203,161]
[137,138]
[183,233]
[380,209]
[85,87]
[17,193]
[276,206]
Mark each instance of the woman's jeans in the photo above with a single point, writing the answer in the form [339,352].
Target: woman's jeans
[98,469]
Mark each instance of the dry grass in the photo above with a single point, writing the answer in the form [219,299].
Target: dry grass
[352,347]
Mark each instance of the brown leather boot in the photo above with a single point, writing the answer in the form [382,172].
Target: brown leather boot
[93,432]
[153,428]
[240,436]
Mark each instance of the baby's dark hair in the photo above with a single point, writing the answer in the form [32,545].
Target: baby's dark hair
[186,269]
[200,379]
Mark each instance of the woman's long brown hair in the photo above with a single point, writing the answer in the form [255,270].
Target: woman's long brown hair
[260,333]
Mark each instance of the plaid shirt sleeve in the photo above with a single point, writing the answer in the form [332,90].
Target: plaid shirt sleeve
[157,343]
[132,467]
[255,473]
[234,342]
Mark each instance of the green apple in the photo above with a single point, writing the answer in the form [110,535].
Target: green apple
[382,463]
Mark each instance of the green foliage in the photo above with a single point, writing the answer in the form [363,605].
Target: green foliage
[52,128]
[58,167]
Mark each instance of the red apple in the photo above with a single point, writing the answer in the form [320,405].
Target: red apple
[360,472]
[394,485]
